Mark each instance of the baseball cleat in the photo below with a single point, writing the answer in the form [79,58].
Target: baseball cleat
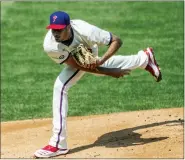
[49,151]
[152,66]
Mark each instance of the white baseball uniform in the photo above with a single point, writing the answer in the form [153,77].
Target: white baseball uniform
[92,37]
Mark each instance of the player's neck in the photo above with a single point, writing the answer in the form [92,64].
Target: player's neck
[69,41]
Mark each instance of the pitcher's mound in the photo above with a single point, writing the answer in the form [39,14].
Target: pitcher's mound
[138,134]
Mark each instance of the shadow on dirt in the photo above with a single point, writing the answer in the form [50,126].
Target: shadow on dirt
[127,137]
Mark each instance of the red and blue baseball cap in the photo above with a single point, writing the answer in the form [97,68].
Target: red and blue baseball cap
[58,20]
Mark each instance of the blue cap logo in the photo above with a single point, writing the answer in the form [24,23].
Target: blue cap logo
[54,18]
[58,20]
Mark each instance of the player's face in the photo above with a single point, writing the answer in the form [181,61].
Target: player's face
[62,34]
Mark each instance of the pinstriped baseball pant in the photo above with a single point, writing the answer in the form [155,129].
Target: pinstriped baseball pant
[68,77]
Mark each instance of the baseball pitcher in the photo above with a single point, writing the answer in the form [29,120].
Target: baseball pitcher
[75,43]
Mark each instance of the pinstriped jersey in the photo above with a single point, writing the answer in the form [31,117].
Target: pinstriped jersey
[83,32]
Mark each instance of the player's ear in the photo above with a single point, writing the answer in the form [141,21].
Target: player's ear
[69,26]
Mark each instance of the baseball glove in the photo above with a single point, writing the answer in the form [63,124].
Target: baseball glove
[83,56]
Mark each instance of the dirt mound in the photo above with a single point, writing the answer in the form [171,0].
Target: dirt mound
[139,134]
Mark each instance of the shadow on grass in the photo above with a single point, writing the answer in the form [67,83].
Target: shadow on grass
[126,137]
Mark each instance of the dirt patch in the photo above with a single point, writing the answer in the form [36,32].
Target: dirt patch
[139,134]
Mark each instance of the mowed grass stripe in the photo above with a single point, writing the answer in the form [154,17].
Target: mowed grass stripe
[4,6]
[28,74]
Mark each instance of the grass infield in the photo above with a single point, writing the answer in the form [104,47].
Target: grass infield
[28,75]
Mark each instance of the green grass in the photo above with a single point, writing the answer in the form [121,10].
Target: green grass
[28,75]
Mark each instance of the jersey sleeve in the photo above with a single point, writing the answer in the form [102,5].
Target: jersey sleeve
[92,34]
[56,55]
[55,50]
[99,36]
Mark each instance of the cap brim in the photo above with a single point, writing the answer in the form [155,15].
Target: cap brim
[55,26]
